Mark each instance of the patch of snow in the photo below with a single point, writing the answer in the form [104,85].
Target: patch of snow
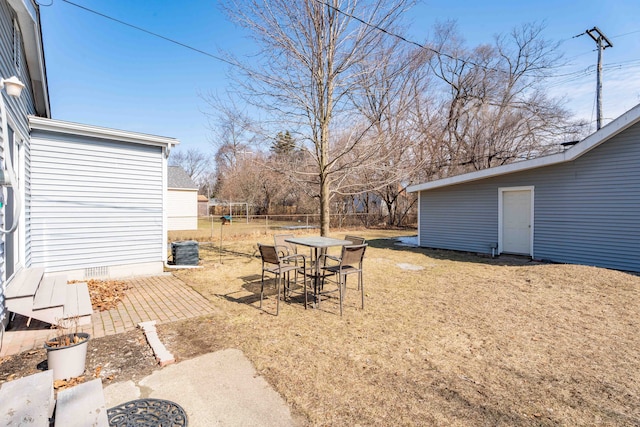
[411,241]
[411,267]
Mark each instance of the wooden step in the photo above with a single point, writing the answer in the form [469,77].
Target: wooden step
[27,401]
[53,299]
[48,302]
[51,292]
[78,303]
[81,406]
[24,283]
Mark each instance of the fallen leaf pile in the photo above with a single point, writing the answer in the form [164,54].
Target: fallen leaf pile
[106,294]
[71,382]
[62,384]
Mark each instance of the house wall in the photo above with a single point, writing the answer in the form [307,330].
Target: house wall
[16,116]
[586,211]
[182,209]
[96,206]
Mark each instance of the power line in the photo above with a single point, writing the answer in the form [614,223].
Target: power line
[151,33]
[404,39]
[626,34]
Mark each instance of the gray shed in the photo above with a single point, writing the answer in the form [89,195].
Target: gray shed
[579,206]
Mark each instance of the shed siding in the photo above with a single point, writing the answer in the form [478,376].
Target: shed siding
[182,209]
[94,203]
[586,211]
[460,218]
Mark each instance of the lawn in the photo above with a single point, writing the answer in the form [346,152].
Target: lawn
[445,339]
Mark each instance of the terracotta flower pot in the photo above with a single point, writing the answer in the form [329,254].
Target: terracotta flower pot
[68,361]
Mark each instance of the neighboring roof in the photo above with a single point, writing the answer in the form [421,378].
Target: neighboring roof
[28,15]
[71,128]
[178,178]
[607,132]
[202,198]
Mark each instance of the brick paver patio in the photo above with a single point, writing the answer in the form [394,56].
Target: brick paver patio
[162,298]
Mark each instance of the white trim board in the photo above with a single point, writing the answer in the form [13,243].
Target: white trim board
[59,126]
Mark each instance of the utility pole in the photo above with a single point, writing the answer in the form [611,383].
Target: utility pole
[599,38]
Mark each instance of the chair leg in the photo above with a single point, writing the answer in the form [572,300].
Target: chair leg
[304,279]
[341,282]
[261,288]
[279,279]
[361,286]
[286,284]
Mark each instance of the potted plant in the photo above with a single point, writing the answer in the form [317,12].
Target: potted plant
[67,352]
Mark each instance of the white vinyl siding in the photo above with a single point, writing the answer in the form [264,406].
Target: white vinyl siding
[17,110]
[182,209]
[94,202]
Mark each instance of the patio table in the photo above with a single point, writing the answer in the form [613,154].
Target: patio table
[315,243]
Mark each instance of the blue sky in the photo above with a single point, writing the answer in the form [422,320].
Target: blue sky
[104,73]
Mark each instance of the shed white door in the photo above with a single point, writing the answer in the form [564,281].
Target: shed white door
[516,222]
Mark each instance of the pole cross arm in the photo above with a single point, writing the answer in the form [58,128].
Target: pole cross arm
[599,37]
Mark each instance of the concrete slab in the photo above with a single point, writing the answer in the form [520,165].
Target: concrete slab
[118,393]
[82,405]
[215,389]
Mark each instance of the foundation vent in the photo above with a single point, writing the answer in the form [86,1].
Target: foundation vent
[96,272]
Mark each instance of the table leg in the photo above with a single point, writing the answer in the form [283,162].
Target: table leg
[315,277]
[315,274]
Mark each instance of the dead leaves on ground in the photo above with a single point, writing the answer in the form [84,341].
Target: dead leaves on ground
[106,294]
[71,382]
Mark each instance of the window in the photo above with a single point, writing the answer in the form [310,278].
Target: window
[17,45]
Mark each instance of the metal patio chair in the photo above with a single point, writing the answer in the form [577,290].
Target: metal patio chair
[284,247]
[350,262]
[280,266]
[355,240]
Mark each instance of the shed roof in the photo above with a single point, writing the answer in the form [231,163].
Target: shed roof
[601,136]
[179,178]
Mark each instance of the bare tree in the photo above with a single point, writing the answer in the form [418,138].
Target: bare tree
[234,132]
[233,135]
[312,52]
[207,183]
[258,186]
[493,108]
[193,161]
[388,99]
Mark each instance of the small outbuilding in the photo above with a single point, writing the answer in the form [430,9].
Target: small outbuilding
[578,206]
[203,205]
[182,200]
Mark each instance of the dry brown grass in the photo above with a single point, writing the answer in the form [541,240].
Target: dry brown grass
[464,341]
